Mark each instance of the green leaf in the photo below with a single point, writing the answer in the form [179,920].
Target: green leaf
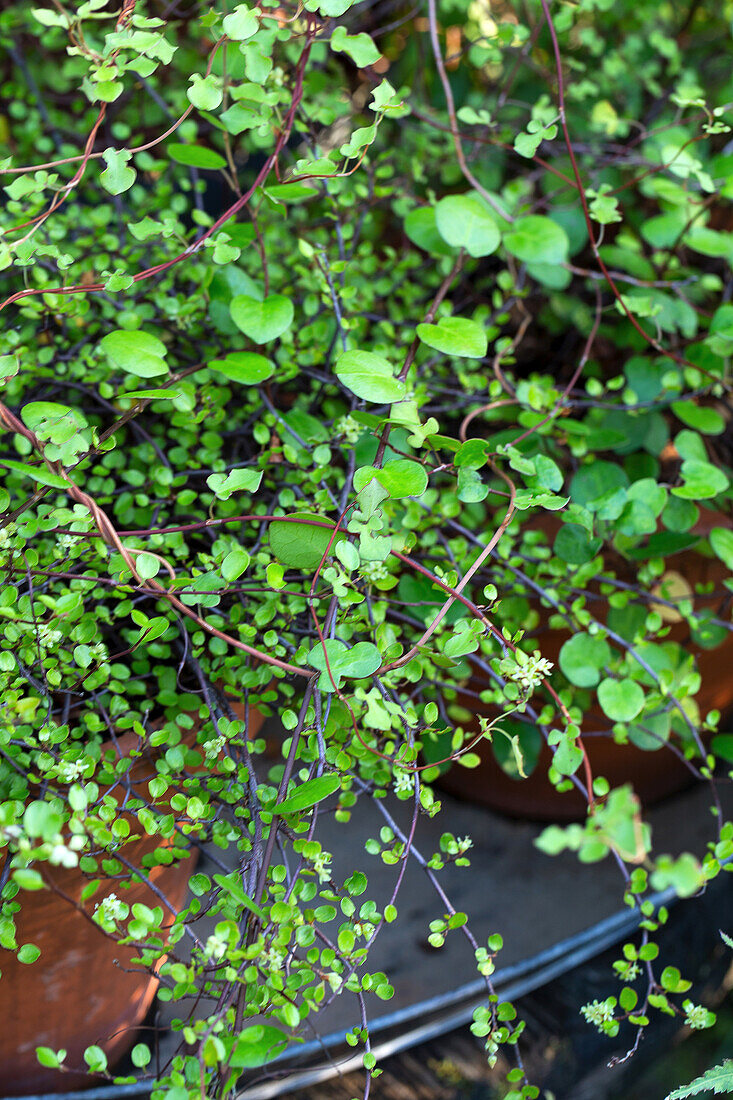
[37,473]
[358,662]
[262,321]
[140,1055]
[232,884]
[96,1059]
[28,953]
[117,176]
[41,820]
[464,221]
[290,192]
[583,657]
[256,1046]
[205,92]
[369,376]
[455,336]
[28,879]
[308,794]
[710,242]
[49,1058]
[703,419]
[246,367]
[241,23]
[247,480]
[401,477]
[721,540]
[537,239]
[234,564]
[422,230]
[150,395]
[702,480]
[196,156]
[621,699]
[359,47]
[718,1080]
[135,352]
[302,545]
[594,484]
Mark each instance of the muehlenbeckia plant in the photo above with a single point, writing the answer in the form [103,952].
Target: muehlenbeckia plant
[324,392]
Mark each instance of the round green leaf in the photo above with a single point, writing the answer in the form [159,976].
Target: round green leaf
[464,221]
[422,229]
[596,482]
[359,661]
[48,1057]
[241,24]
[205,92]
[135,352]
[28,953]
[401,477]
[537,239]
[234,564]
[721,540]
[140,1055]
[196,156]
[301,545]
[455,336]
[257,1045]
[583,657]
[41,820]
[699,417]
[369,376]
[246,367]
[702,480]
[621,699]
[262,321]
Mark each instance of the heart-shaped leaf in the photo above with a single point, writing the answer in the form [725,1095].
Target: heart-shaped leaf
[246,367]
[241,23]
[369,376]
[262,321]
[537,239]
[302,545]
[455,336]
[223,485]
[401,477]
[464,221]
[135,352]
[582,658]
[621,699]
[358,662]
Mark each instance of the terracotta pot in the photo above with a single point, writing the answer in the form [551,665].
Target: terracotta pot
[83,989]
[654,774]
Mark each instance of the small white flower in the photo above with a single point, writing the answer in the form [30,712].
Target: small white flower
[213,747]
[348,428]
[272,959]
[697,1017]
[216,948]
[599,1012]
[69,770]
[402,783]
[111,909]
[321,866]
[528,675]
[61,856]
